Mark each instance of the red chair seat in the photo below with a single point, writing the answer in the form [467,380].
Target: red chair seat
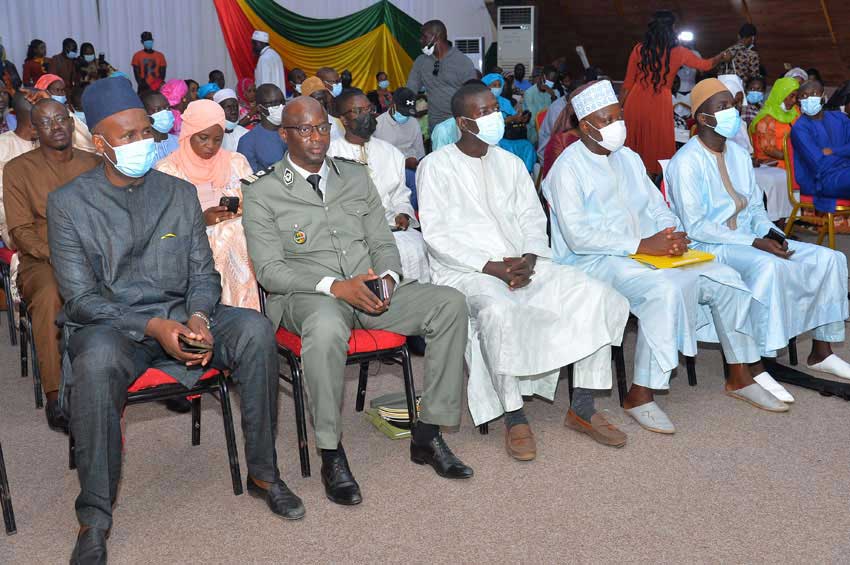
[154,377]
[6,255]
[361,341]
[808,199]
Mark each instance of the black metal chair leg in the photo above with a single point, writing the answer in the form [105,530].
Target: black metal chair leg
[72,460]
[300,416]
[409,387]
[36,370]
[620,368]
[484,429]
[792,351]
[229,434]
[10,306]
[22,332]
[690,365]
[6,498]
[570,382]
[725,367]
[361,386]
[196,420]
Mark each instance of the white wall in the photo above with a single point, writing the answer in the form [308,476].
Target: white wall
[187,31]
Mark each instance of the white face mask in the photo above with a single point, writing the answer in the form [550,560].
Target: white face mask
[298,88]
[491,128]
[784,107]
[275,114]
[428,49]
[613,135]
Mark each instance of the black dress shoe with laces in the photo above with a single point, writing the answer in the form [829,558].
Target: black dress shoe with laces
[90,548]
[280,499]
[340,486]
[438,455]
[55,419]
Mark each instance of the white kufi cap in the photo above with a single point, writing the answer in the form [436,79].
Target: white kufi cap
[594,97]
[224,94]
[260,36]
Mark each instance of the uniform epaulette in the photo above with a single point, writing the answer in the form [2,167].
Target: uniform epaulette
[251,179]
[352,161]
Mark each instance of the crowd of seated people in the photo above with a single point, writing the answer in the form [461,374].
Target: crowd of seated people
[143,209]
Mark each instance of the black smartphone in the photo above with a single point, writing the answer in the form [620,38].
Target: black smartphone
[379,288]
[193,345]
[230,202]
[776,236]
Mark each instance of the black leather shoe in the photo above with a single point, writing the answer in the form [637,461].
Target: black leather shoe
[340,486]
[90,548]
[438,455]
[55,419]
[179,405]
[280,499]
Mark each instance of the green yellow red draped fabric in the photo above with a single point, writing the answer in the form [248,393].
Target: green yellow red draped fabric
[378,38]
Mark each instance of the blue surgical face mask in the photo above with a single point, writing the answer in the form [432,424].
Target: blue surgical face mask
[755,97]
[147,44]
[298,88]
[88,58]
[163,121]
[80,116]
[549,83]
[728,122]
[72,54]
[400,118]
[60,99]
[337,89]
[134,159]
[491,128]
[497,91]
[812,105]
[230,126]
[384,84]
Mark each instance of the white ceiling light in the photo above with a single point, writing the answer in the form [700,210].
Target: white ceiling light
[686,36]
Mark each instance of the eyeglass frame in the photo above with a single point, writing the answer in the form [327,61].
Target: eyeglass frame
[311,130]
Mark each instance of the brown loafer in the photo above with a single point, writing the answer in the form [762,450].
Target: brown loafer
[519,442]
[599,428]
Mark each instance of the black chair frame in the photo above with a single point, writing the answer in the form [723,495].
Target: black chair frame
[27,350]
[397,355]
[6,498]
[217,387]
[5,275]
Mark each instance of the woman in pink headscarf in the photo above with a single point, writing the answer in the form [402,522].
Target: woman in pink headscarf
[216,172]
[176,92]
[247,92]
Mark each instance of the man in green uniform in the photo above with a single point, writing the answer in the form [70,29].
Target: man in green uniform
[316,233]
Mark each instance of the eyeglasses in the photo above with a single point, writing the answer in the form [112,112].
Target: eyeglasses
[436,70]
[306,130]
[59,120]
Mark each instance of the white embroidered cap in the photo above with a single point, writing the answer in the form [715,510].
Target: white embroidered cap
[224,94]
[260,36]
[594,97]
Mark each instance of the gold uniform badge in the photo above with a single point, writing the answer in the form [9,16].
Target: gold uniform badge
[299,237]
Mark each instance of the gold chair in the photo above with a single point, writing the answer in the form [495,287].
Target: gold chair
[807,202]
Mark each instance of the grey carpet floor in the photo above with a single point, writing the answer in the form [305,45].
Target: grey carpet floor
[733,485]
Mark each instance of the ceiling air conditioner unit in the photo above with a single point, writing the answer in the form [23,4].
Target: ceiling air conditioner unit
[516,31]
[472,47]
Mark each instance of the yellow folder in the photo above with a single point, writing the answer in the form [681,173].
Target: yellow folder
[690,257]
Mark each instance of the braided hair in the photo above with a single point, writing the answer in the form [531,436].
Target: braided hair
[655,50]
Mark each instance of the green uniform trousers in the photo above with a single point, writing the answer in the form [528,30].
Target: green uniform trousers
[324,323]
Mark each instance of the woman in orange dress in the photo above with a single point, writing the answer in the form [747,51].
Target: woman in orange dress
[645,95]
[216,172]
[774,121]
